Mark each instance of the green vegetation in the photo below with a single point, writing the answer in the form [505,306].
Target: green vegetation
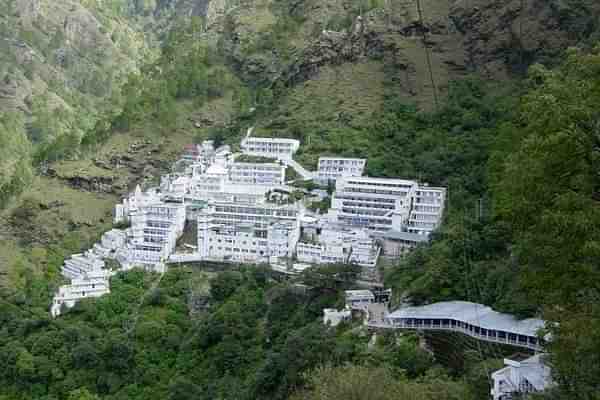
[14,157]
[521,231]
[258,339]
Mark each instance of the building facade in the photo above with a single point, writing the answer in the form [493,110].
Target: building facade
[521,375]
[153,234]
[281,149]
[248,232]
[398,244]
[427,210]
[88,285]
[272,174]
[376,204]
[332,168]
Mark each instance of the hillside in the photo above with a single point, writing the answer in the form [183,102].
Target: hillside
[480,96]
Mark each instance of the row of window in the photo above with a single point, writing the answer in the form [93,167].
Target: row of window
[367,205]
[392,185]
[365,221]
[451,323]
[363,199]
[376,191]
[361,212]
[256,211]
[429,209]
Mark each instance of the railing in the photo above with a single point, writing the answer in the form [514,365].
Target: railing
[449,328]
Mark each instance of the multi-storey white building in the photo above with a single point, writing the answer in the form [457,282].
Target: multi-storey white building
[340,245]
[321,253]
[154,232]
[333,168]
[90,284]
[272,174]
[155,227]
[427,209]
[382,204]
[80,264]
[248,232]
[378,204]
[281,149]
[245,242]
[521,376]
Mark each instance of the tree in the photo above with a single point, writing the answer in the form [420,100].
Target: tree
[82,394]
[548,189]
[354,382]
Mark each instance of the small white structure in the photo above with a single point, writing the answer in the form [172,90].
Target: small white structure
[333,168]
[333,317]
[179,187]
[339,245]
[89,284]
[80,264]
[359,299]
[281,149]
[520,376]
[322,253]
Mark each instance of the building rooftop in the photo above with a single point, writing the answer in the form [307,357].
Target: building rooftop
[413,237]
[342,158]
[358,293]
[271,140]
[216,169]
[534,369]
[369,179]
[474,314]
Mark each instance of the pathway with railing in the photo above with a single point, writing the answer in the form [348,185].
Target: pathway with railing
[489,326]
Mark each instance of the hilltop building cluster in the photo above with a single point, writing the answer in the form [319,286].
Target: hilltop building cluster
[240,209]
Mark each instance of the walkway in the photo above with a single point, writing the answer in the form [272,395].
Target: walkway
[303,172]
[471,319]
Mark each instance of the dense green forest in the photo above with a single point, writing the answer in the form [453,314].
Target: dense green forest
[256,339]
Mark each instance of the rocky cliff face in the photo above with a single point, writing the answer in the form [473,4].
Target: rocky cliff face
[496,38]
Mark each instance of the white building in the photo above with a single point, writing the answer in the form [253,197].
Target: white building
[382,204]
[338,245]
[333,317]
[272,174]
[248,232]
[281,149]
[90,284]
[155,229]
[365,252]
[427,209]
[520,376]
[333,168]
[80,264]
[378,204]
[359,299]
[321,253]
